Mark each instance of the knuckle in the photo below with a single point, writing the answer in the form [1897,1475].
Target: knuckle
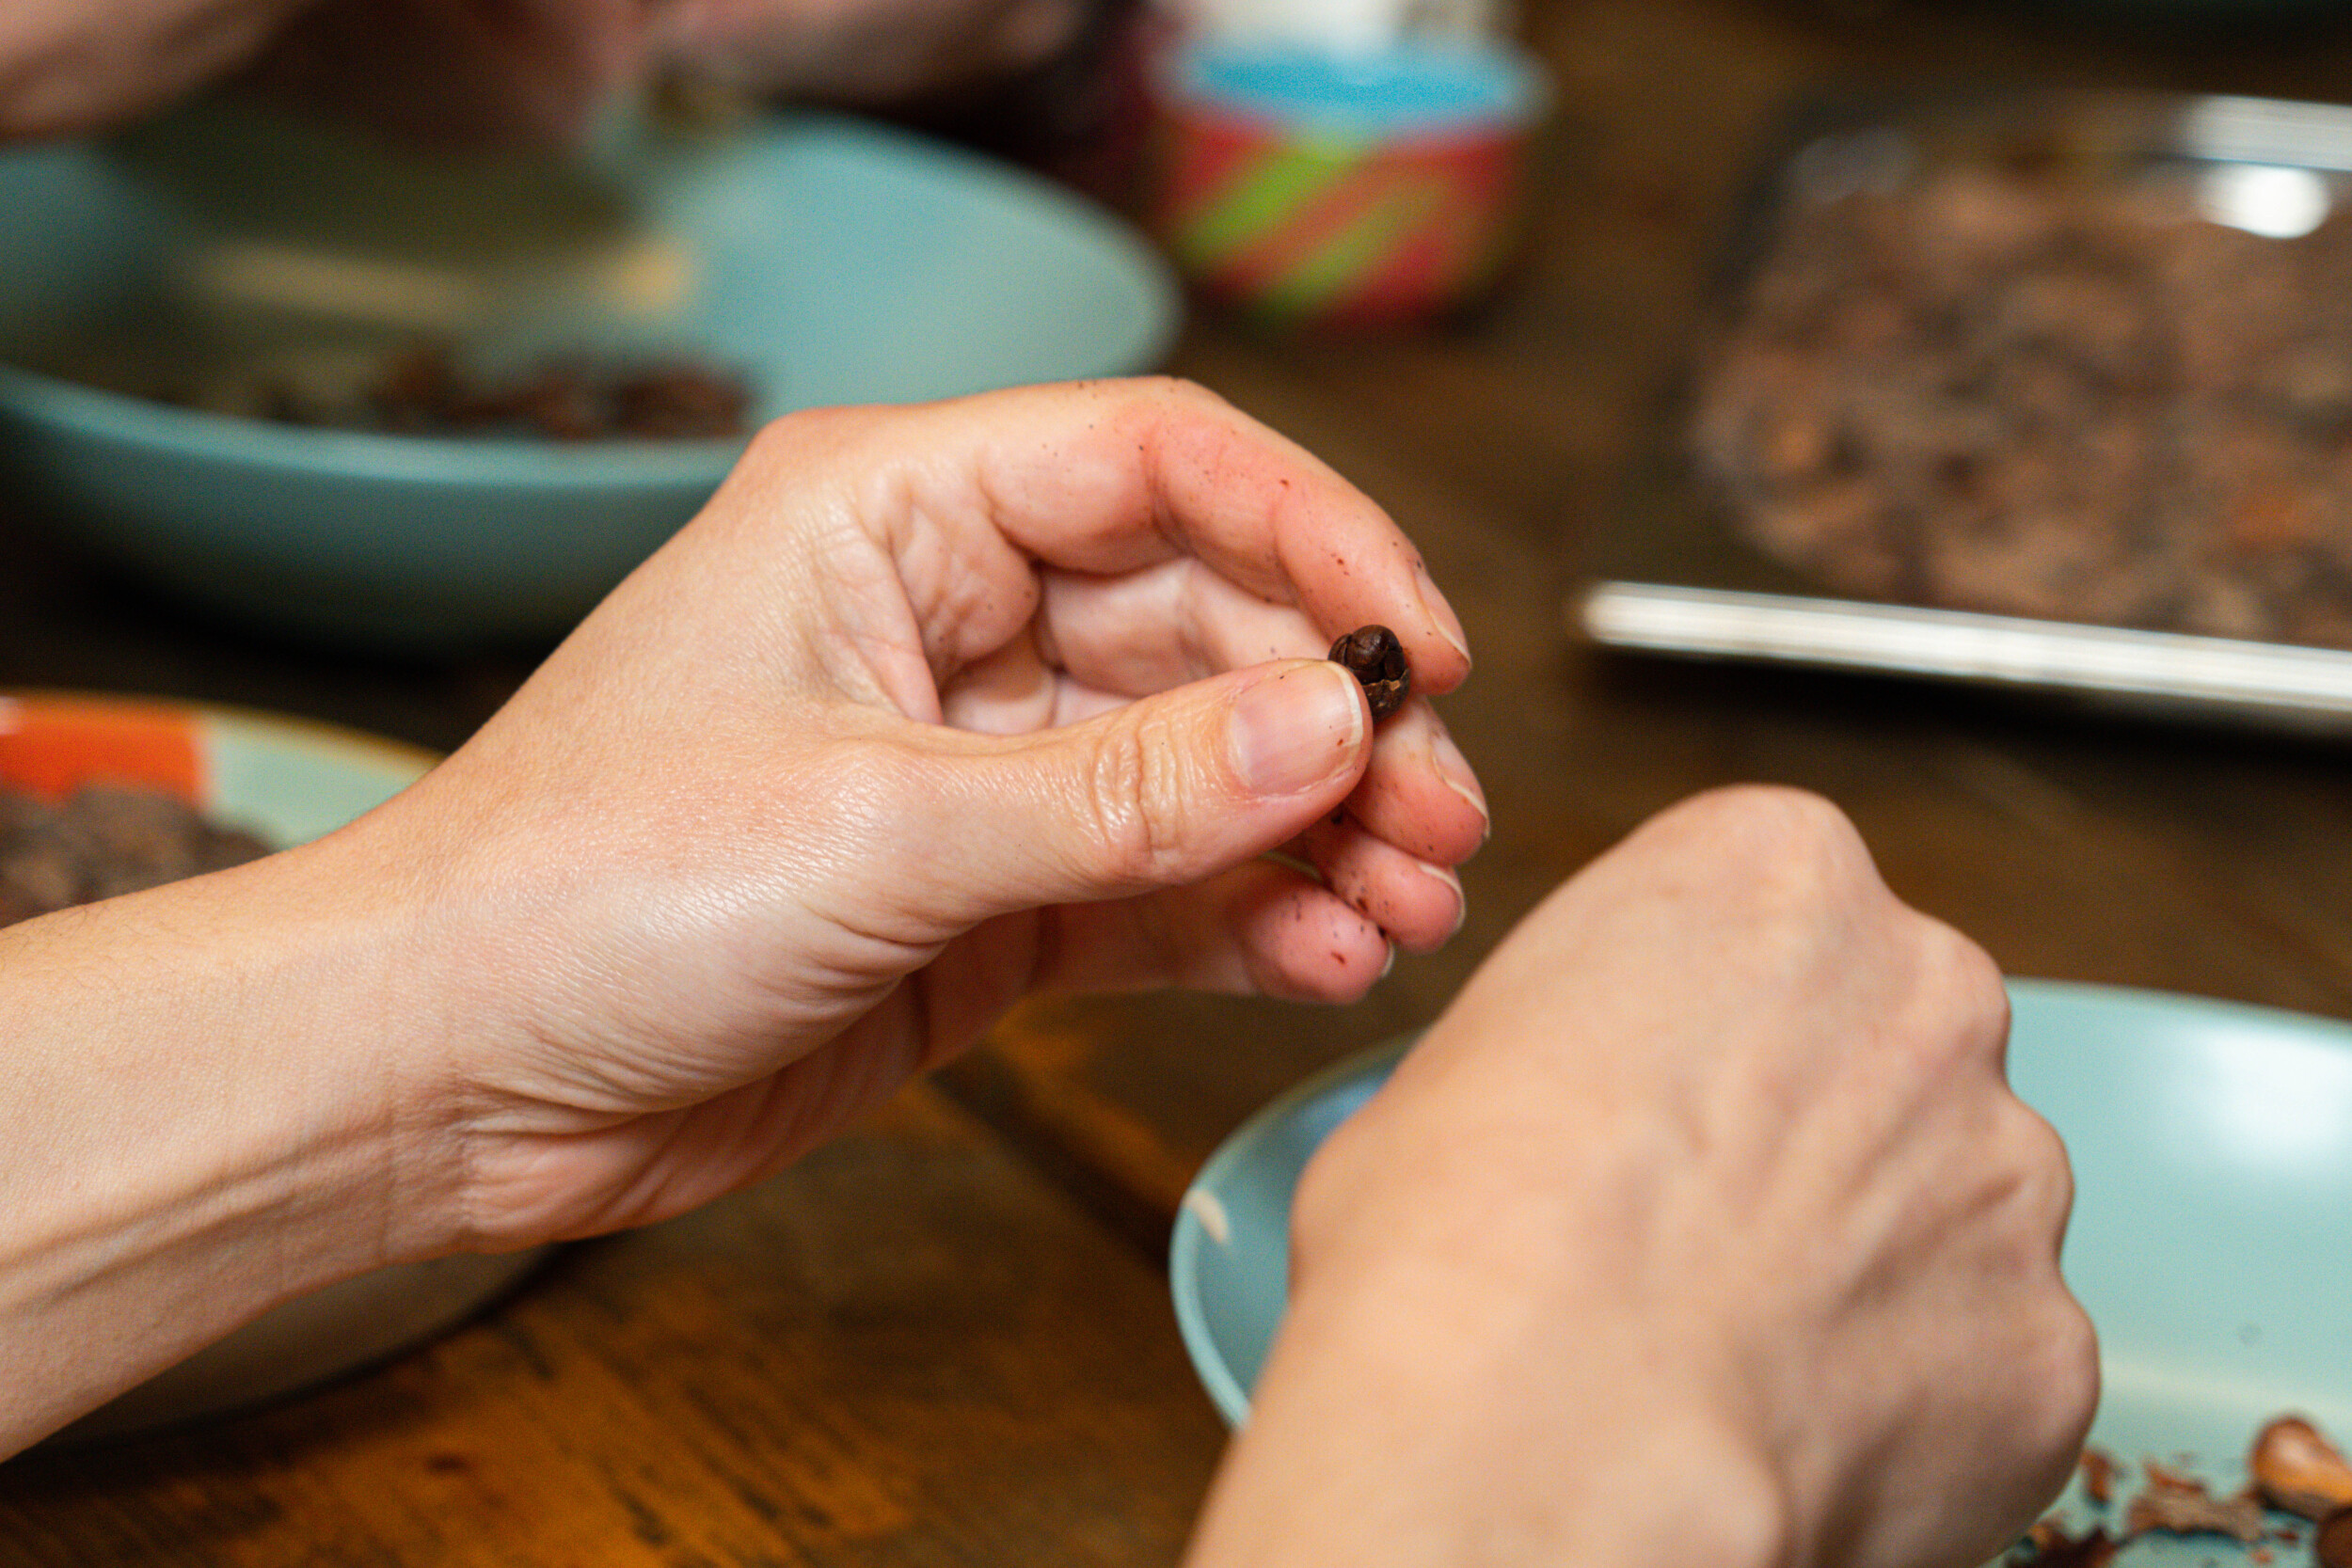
[779,435]
[1136,786]
[2021,1195]
[1782,867]
[2065,1391]
[783,441]
[2048,1174]
[2023,1187]
[1965,967]
[1156,409]
[1779,840]
[1958,981]
[2078,1370]
[1164,388]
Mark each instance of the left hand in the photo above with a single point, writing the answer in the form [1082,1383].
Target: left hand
[930,709]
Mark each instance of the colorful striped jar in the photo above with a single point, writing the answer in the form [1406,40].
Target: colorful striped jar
[1313,189]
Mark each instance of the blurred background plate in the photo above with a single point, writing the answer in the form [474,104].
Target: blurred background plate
[825,260]
[285,779]
[1680,566]
[2212,1145]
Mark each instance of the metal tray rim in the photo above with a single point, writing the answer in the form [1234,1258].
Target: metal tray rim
[2170,668]
[1757,615]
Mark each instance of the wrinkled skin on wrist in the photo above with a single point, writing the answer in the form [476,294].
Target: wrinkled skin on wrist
[1718,1144]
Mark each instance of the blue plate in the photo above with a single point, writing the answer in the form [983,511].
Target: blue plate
[829,260]
[2213,1157]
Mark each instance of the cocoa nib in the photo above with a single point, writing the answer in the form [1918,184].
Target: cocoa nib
[2098,1468]
[2180,1504]
[1376,658]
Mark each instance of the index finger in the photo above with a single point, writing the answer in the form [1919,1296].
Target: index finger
[1111,477]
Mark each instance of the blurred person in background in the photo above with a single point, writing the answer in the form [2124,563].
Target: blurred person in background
[503,71]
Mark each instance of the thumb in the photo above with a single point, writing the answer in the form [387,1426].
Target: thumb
[1166,790]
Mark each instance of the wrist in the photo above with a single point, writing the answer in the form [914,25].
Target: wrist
[1395,1427]
[202,1079]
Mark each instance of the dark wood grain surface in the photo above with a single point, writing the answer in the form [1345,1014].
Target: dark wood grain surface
[913,1349]
[946,1339]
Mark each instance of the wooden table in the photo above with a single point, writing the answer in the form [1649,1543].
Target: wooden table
[945,1339]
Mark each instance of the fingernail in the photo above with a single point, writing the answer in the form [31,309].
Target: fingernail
[1389,962]
[1449,625]
[1293,730]
[1461,899]
[1455,772]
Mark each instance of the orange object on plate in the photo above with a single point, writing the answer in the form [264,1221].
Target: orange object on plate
[49,748]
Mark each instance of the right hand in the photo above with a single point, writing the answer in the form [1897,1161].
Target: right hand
[1703,1226]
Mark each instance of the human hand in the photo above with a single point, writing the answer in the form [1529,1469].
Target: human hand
[497,72]
[68,66]
[543,71]
[450,71]
[1702,1228]
[460,73]
[929,708]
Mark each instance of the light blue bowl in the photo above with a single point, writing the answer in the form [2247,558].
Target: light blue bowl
[2213,1158]
[830,261]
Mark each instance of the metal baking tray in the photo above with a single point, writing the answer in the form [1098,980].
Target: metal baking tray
[1669,575]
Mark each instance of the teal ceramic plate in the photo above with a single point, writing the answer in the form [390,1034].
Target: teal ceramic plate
[2212,1153]
[826,261]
